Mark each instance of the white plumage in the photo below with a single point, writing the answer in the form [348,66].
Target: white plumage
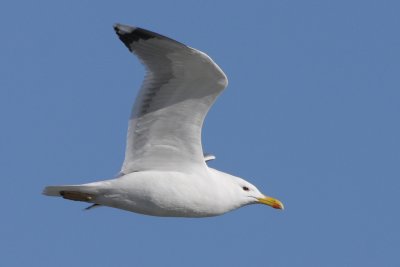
[164,172]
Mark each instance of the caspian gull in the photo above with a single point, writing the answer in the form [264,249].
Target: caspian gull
[165,172]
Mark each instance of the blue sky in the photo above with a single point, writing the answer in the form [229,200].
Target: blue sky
[311,116]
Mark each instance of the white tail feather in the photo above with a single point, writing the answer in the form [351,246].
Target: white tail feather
[55,191]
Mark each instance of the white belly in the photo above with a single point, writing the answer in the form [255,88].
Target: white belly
[164,194]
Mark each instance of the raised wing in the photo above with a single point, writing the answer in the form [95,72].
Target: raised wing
[181,84]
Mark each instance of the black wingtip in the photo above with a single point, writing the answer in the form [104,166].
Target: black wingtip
[128,34]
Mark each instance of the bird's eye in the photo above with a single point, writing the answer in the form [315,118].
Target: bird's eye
[245,188]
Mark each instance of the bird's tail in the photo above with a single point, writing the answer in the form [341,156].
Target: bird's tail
[85,193]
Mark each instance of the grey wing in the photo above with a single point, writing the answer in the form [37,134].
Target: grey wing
[181,84]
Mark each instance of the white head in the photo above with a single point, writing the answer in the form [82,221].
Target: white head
[246,193]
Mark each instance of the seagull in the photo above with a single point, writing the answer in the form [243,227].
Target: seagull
[165,171]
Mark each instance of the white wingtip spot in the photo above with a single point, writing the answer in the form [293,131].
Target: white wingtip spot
[123,29]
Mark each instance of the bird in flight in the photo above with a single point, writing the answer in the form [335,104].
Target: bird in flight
[165,172]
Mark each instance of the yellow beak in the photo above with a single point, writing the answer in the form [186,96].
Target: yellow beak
[270,201]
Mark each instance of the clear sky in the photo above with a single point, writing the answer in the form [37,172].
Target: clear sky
[311,116]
